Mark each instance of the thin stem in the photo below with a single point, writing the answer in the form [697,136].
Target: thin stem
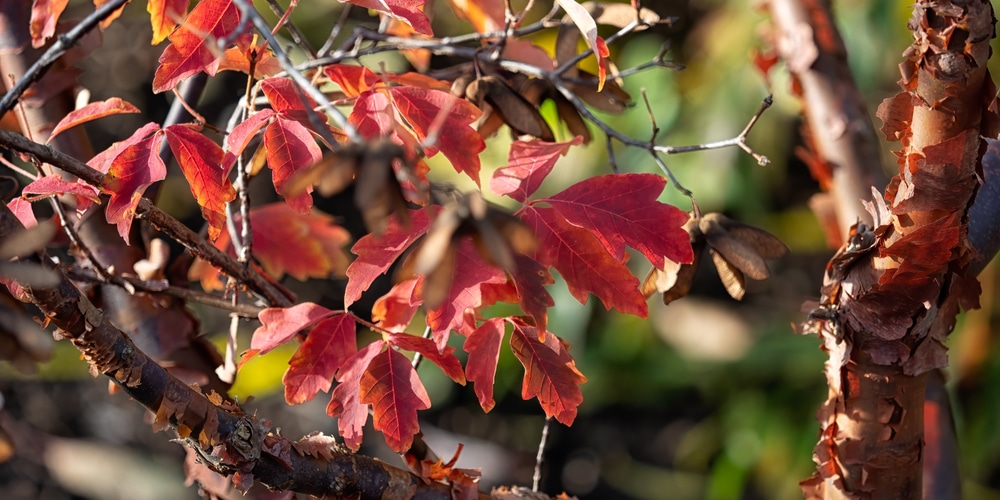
[417,357]
[540,456]
[297,36]
[345,14]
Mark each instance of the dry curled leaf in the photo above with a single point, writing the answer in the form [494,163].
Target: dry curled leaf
[738,251]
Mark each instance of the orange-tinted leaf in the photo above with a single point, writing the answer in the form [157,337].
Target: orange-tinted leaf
[345,402]
[112,16]
[279,324]
[485,15]
[44,17]
[588,27]
[550,374]
[460,143]
[56,186]
[352,80]
[527,165]
[584,262]
[394,310]
[102,161]
[164,16]
[392,387]
[290,148]
[621,209]
[330,343]
[420,59]
[200,159]
[465,292]
[376,255]
[445,359]
[92,111]
[483,346]
[407,11]
[242,134]
[192,48]
[238,59]
[285,96]
[286,241]
[131,172]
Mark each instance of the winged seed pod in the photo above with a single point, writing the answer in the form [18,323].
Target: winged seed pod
[497,236]
[737,250]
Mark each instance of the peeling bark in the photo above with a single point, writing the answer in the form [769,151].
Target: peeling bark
[891,294]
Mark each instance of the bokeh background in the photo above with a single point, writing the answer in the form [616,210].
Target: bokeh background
[709,398]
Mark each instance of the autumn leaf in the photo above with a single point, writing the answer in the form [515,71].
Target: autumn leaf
[444,358]
[345,402]
[394,310]
[312,368]
[392,387]
[483,346]
[528,163]
[377,254]
[200,159]
[192,46]
[53,185]
[239,58]
[92,111]
[286,98]
[583,262]
[461,144]
[407,11]
[44,17]
[290,148]
[279,324]
[130,173]
[102,161]
[550,374]
[164,16]
[352,80]
[529,279]
[241,135]
[464,294]
[485,15]
[621,209]
[588,27]
[286,241]
[373,115]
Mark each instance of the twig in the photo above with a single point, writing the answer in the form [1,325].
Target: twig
[345,14]
[417,357]
[187,294]
[146,210]
[286,64]
[63,43]
[297,35]
[540,456]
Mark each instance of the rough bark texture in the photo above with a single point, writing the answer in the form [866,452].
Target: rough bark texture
[891,294]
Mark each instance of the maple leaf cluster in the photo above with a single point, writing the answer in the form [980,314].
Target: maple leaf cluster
[457,254]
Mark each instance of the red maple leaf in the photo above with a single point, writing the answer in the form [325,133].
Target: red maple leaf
[345,402]
[583,262]
[621,209]
[312,368]
[483,346]
[53,185]
[376,255]
[373,115]
[445,359]
[528,163]
[529,279]
[192,45]
[92,111]
[200,159]
[459,142]
[407,11]
[394,311]
[465,292]
[290,101]
[286,241]
[485,15]
[164,16]
[352,80]
[102,161]
[239,58]
[392,387]
[242,134]
[290,148]
[130,173]
[44,17]
[279,324]
[550,374]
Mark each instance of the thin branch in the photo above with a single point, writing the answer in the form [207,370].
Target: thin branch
[540,456]
[417,357]
[146,210]
[297,36]
[63,43]
[345,14]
